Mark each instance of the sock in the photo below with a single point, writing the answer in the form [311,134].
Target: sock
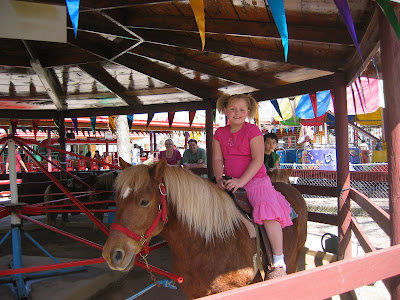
[278,261]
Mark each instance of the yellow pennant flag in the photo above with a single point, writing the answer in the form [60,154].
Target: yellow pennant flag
[198,10]
[111,123]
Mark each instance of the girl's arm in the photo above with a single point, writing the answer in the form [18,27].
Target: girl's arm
[218,164]
[257,159]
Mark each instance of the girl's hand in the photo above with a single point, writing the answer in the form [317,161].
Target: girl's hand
[233,184]
[221,183]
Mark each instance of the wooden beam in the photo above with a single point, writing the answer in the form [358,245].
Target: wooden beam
[237,27]
[225,47]
[150,51]
[369,46]
[295,89]
[325,281]
[105,78]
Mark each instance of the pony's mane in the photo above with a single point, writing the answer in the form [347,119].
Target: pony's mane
[200,204]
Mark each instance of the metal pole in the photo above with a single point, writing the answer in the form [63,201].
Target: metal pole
[390,58]
[209,136]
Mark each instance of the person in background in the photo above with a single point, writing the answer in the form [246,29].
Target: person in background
[18,160]
[172,155]
[238,153]
[98,157]
[136,155]
[194,157]
[271,158]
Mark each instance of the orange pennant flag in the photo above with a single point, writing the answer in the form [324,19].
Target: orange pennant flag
[198,10]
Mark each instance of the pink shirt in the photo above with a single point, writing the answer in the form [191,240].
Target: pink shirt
[17,161]
[172,160]
[236,149]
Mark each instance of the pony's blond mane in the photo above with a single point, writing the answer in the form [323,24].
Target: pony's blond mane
[202,206]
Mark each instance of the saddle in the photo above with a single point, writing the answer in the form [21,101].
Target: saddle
[244,206]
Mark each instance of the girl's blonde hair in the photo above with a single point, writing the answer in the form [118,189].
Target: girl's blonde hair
[224,101]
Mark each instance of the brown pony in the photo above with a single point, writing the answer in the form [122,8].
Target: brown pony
[211,248]
[280,175]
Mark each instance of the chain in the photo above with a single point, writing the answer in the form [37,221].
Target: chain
[144,257]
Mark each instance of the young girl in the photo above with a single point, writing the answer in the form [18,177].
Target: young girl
[271,158]
[238,150]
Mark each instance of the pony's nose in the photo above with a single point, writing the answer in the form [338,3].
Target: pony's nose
[117,256]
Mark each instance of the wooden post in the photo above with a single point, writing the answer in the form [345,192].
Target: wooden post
[62,140]
[209,136]
[342,159]
[390,58]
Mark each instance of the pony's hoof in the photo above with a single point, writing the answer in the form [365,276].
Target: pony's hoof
[276,272]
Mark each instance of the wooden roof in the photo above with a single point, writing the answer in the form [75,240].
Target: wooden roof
[104,72]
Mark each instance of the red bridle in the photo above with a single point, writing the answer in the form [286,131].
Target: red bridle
[162,214]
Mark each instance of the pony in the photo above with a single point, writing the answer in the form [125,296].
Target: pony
[280,175]
[104,182]
[210,245]
[73,186]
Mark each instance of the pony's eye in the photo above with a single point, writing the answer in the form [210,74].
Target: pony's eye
[144,203]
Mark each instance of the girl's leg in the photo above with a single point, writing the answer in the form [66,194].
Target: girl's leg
[274,231]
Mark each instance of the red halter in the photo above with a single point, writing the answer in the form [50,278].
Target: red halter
[162,214]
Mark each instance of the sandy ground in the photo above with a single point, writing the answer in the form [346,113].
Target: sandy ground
[126,285]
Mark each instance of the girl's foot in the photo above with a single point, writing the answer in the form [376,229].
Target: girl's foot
[276,272]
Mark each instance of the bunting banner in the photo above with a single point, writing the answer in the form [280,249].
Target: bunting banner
[276,106]
[73,11]
[390,15]
[191,117]
[171,116]
[111,123]
[198,10]
[278,13]
[75,123]
[130,121]
[344,10]
[149,118]
[35,126]
[93,124]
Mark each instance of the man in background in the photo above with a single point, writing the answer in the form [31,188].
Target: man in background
[194,157]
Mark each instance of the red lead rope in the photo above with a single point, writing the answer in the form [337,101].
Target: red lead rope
[162,214]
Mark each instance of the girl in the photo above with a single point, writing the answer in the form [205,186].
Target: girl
[271,158]
[172,155]
[238,150]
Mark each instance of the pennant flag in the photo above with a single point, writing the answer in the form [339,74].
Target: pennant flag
[191,117]
[198,10]
[292,129]
[130,121]
[73,11]
[276,106]
[278,13]
[56,122]
[149,118]
[111,123]
[23,129]
[93,124]
[75,123]
[171,118]
[344,10]
[390,15]
[35,126]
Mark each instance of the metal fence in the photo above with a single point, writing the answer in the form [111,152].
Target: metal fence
[369,179]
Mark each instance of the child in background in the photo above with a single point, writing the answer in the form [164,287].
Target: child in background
[238,150]
[271,158]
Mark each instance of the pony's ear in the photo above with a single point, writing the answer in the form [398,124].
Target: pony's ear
[288,172]
[123,164]
[158,169]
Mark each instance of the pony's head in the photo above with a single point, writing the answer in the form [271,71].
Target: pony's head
[197,204]
[280,175]
[137,199]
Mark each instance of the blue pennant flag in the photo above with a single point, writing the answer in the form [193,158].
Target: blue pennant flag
[130,121]
[278,12]
[276,106]
[73,11]
[93,123]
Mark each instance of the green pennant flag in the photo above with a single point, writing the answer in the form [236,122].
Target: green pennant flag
[93,124]
[390,15]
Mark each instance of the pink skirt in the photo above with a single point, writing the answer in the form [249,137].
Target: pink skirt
[268,204]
